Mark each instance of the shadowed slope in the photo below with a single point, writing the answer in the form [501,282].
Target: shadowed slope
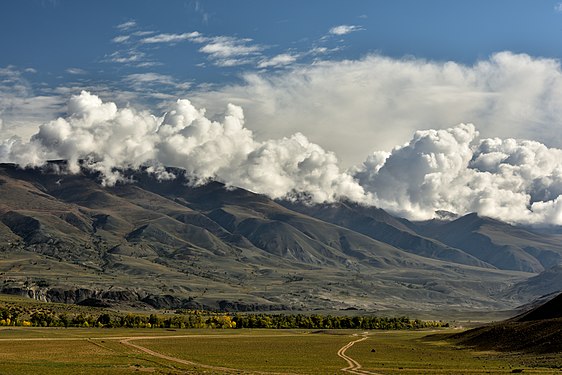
[536,331]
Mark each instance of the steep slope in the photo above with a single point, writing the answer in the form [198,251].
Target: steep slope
[551,309]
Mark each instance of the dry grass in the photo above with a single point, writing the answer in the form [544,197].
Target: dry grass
[100,351]
[271,351]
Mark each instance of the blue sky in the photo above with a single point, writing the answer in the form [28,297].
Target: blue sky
[57,37]
[148,52]
[413,106]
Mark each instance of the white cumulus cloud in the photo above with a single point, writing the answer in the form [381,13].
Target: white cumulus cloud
[452,169]
[22,109]
[109,137]
[518,181]
[121,38]
[170,38]
[344,29]
[278,60]
[353,107]
[127,25]
[296,120]
[76,71]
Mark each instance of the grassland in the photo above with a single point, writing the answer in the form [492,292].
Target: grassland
[122,351]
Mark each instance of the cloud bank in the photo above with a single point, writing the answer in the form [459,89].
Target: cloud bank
[109,137]
[278,145]
[518,181]
[353,107]
[21,109]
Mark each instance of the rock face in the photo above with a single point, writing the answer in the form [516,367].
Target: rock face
[69,295]
[168,244]
[108,298]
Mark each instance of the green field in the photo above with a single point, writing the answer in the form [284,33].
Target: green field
[113,351]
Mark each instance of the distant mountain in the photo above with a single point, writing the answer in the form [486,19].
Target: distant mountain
[494,242]
[153,242]
[545,283]
[379,225]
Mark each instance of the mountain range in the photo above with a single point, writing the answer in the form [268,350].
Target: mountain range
[152,241]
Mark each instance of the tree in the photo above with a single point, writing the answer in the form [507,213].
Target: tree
[104,319]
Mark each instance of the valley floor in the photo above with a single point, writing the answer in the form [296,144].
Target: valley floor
[122,351]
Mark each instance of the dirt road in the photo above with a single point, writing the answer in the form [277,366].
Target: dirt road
[127,341]
[353,367]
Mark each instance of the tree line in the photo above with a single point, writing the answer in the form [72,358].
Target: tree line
[10,316]
[315,321]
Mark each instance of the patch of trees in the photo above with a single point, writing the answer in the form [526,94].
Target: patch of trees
[45,317]
[282,321]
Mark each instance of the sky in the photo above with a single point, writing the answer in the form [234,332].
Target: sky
[412,106]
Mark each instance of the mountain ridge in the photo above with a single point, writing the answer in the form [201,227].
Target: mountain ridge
[211,245]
